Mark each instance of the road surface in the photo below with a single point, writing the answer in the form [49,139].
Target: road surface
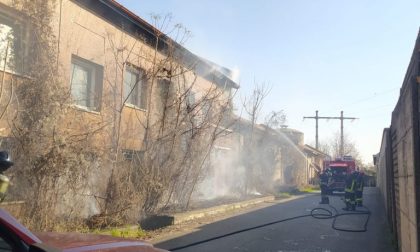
[304,235]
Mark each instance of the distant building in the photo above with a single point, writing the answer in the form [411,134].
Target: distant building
[272,157]
[315,162]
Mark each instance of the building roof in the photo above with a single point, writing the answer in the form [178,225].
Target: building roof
[120,16]
[314,151]
[290,130]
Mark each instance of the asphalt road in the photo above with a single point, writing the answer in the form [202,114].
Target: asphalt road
[304,234]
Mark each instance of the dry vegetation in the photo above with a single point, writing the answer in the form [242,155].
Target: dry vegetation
[57,167]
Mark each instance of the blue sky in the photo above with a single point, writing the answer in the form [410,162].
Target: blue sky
[325,55]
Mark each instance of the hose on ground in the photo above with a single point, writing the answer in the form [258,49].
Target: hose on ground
[324,213]
[317,213]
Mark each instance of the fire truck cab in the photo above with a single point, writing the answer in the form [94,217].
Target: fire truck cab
[337,170]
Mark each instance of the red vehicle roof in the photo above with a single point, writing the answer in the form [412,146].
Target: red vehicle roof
[11,223]
[74,242]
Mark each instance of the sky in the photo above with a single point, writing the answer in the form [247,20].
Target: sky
[325,55]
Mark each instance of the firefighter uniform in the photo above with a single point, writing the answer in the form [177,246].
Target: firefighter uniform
[359,189]
[323,183]
[349,192]
[323,180]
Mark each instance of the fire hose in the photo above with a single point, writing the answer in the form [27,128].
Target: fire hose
[317,213]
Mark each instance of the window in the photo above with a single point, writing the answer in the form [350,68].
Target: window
[4,246]
[6,144]
[190,100]
[133,155]
[86,83]
[135,92]
[9,241]
[227,92]
[12,44]
[205,114]
[164,87]
[165,99]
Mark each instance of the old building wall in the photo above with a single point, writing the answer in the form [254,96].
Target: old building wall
[87,40]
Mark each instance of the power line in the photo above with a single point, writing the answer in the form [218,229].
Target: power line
[341,118]
[368,98]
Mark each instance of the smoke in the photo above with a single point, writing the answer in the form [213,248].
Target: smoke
[225,176]
[235,74]
[292,144]
[277,160]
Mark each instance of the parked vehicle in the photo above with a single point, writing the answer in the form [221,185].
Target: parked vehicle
[337,170]
[15,237]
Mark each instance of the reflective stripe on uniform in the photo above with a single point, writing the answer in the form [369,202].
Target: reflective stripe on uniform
[351,189]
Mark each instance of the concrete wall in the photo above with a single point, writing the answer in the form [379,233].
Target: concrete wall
[403,129]
[381,168]
[386,178]
[399,160]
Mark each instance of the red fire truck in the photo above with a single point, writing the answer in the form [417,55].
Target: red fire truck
[337,170]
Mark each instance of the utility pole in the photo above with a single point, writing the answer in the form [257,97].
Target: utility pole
[341,118]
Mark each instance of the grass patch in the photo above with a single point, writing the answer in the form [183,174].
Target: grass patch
[289,191]
[309,189]
[124,232]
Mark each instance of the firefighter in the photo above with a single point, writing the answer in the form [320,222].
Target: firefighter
[359,189]
[349,192]
[323,183]
[330,181]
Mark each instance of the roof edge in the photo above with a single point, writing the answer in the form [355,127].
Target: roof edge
[201,66]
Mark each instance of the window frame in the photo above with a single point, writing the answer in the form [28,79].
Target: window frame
[12,239]
[94,84]
[139,90]
[206,112]
[19,67]
[131,155]
[190,100]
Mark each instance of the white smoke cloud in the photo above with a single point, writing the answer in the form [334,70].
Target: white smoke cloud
[235,74]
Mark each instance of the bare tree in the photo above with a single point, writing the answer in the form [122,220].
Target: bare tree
[332,147]
[179,126]
[252,106]
[253,103]
[275,119]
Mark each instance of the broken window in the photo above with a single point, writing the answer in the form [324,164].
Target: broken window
[86,83]
[135,92]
